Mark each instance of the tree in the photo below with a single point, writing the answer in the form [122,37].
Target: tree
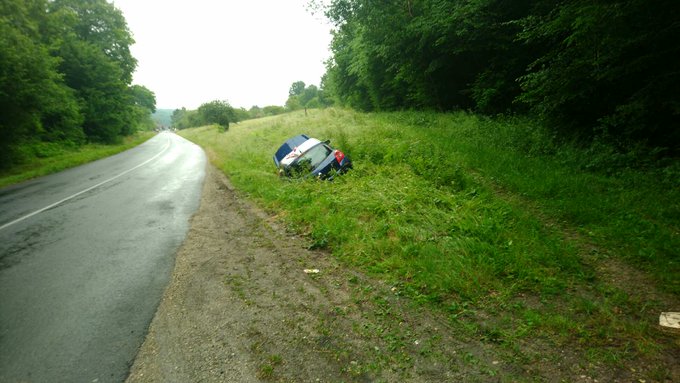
[35,104]
[583,68]
[144,106]
[293,103]
[241,114]
[255,112]
[93,41]
[65,73]
[305,97]
[308,94]
[100,24]
[143,97]
[296,88]
[608,66]
[217,112]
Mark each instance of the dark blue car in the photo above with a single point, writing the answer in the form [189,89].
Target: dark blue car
[305,156]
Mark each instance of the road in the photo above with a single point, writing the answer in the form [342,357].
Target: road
[85,255]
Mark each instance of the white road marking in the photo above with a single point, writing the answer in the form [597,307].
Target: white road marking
[167,145]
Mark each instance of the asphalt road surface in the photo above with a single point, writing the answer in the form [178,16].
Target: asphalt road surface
[85,255]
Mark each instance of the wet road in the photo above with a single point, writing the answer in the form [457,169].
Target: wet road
[84,257]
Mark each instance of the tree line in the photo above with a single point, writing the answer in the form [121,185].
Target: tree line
[66,76]
[302,96]
[221,113]
[585,68]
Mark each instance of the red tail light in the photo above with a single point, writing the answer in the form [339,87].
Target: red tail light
[339,156]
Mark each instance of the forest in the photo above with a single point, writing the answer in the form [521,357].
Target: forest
[587,70]
[66,77]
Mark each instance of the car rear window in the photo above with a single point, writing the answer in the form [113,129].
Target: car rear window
[316,155]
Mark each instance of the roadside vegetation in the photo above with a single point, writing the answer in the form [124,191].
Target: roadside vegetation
[66,79]
[585,70]
[552,252]
[221,113]
[43,159]
[552,234]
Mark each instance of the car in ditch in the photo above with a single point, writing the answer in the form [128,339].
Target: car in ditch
[303,156]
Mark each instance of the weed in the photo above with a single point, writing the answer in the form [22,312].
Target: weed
[265,372]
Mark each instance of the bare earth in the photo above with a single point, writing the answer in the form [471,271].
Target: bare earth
[245,304]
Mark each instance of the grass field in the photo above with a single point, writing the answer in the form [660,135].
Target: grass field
[516,237]
[45,159]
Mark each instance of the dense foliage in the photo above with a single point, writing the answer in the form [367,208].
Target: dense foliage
[301,96]
[65,76]
[217,112]
[605,68]
[220,113]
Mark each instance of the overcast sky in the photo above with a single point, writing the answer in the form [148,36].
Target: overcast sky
[247,52]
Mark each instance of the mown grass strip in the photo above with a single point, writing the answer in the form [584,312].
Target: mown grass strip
[425,209]
[63,157]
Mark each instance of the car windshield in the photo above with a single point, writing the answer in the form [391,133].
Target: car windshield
[315,156]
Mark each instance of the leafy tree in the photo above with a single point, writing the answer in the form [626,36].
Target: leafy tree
[296,89]
[308,94]
[143,97]
[100,24]
[325,97]
[582,67]
[305,97]
[184,119]
[255,112]
[217,112]
[144,106]
[176,117]
[293,103]
[93,42]
[34,101]
[65,73]
[610,65]
[241,114]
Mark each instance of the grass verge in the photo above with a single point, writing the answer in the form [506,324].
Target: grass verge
[526,243]
[60,158]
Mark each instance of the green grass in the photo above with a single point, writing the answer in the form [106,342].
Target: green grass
[266,371]
[51,158]
[474,217]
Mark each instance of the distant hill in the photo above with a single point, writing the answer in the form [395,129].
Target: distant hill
[163,116]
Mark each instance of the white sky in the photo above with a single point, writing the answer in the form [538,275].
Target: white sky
[247,52]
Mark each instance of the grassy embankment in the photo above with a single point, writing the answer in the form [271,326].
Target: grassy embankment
[515,237]
[44,158]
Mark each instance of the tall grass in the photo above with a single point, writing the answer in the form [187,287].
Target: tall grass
[45,158]
[473,215]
